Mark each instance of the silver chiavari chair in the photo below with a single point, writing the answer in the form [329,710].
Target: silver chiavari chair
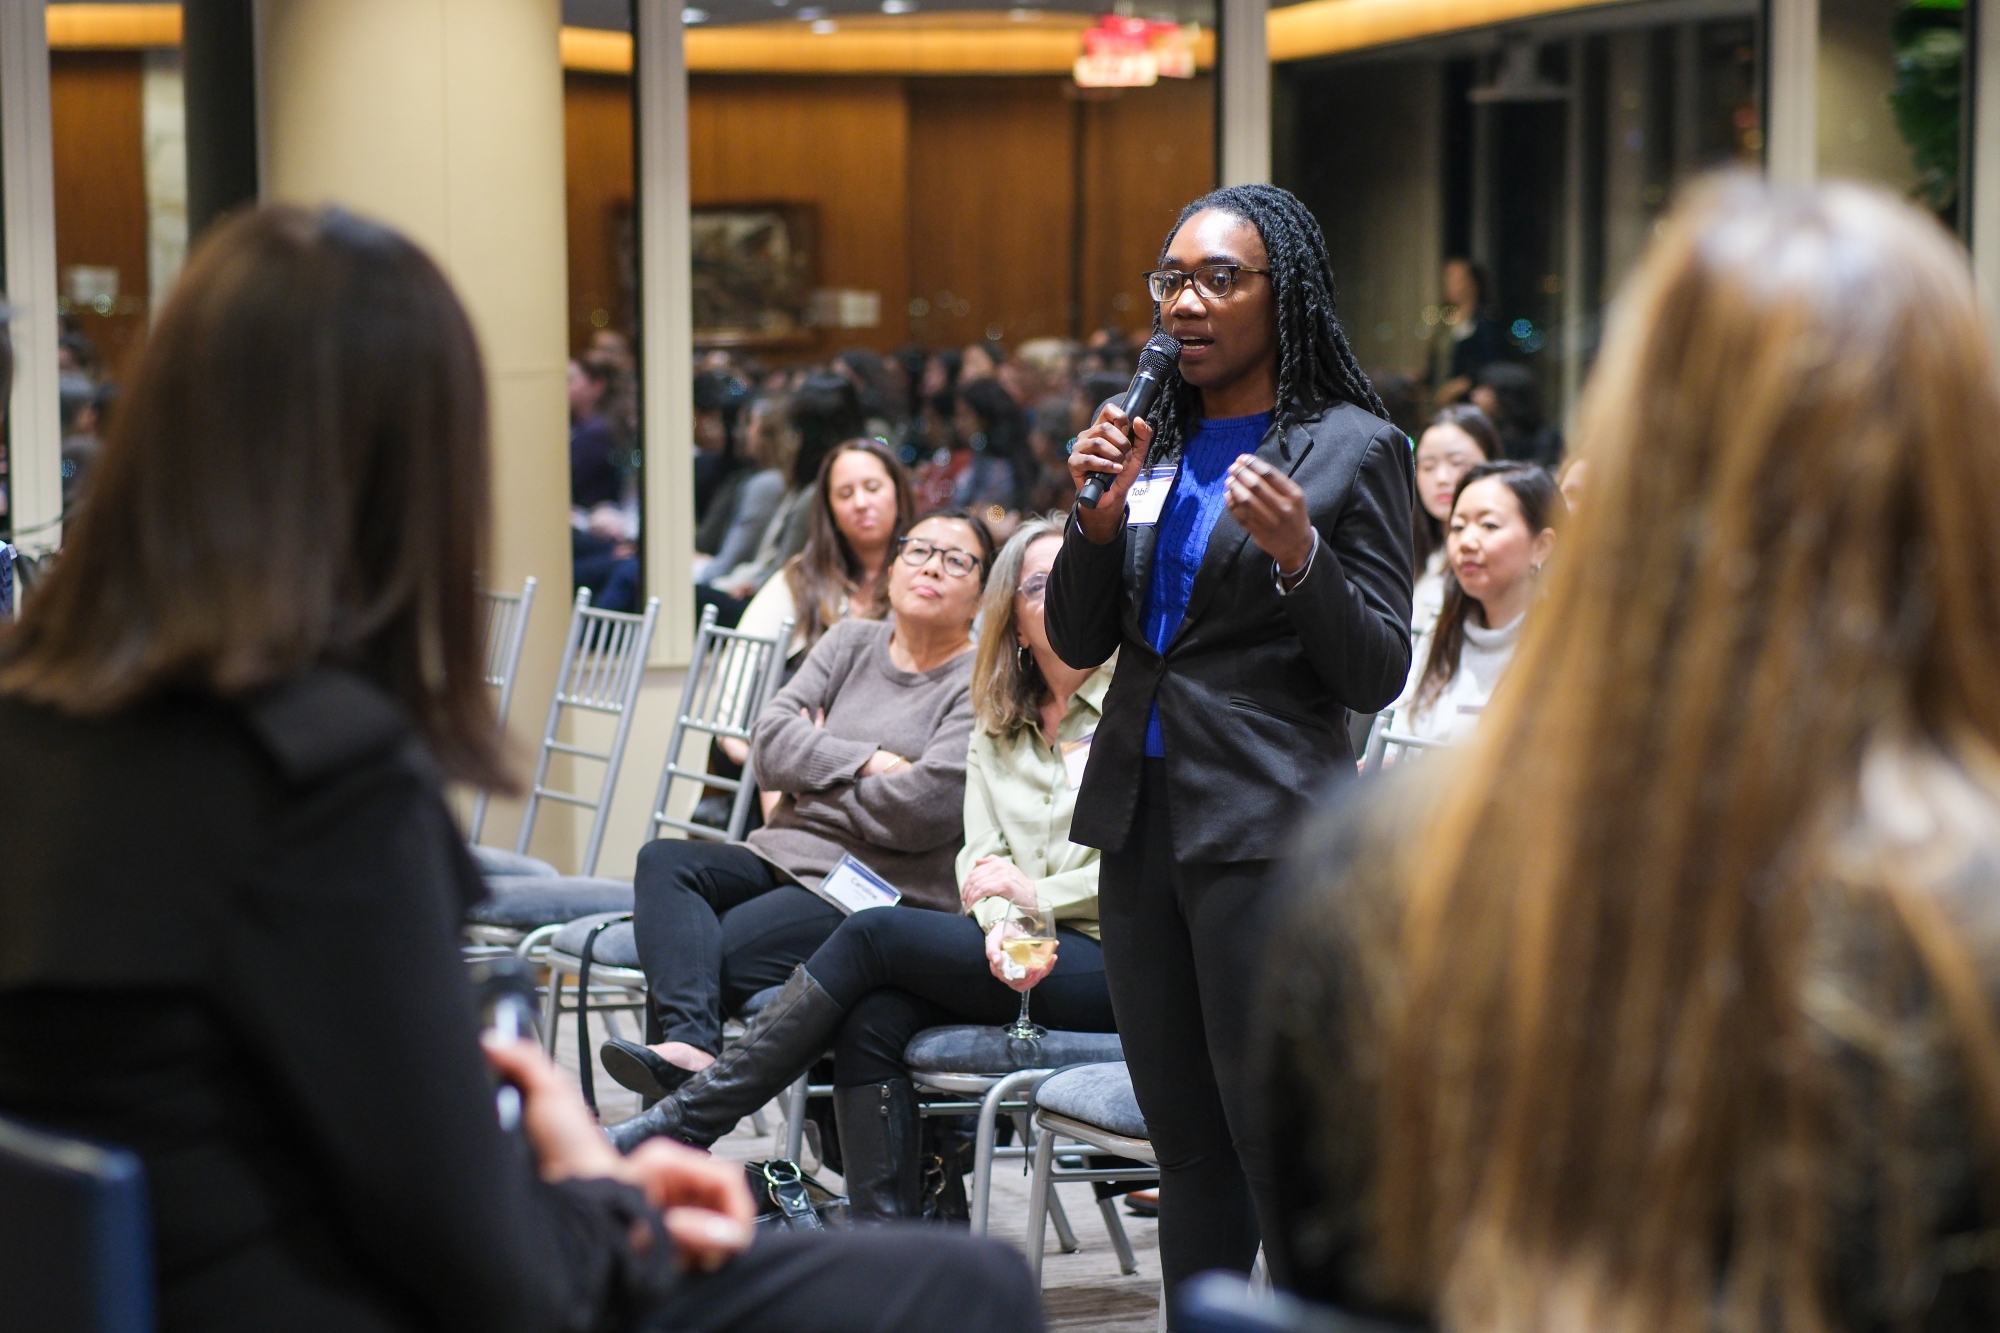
[506,630]
[603,667]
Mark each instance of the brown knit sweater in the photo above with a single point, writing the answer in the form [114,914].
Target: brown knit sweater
[906,826]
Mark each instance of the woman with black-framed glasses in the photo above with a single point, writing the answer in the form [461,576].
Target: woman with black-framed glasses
[866,746]
[1256,591]
[884,976]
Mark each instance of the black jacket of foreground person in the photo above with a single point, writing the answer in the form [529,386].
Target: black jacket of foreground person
[229,941]
[1255,687]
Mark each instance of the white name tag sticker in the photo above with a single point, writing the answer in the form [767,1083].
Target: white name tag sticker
[1149,495]
[1076,755]
[855,888]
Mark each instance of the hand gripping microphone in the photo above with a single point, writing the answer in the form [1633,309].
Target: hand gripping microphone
[1156,362]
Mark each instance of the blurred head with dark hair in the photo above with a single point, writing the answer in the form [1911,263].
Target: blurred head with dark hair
[824,410]
[298,477]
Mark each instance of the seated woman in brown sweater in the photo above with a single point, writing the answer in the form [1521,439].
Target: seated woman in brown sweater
[883,976]
[1671,1006]
[867,744]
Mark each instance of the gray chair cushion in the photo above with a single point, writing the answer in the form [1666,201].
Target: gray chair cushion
[966,1049]
[614,948]
[1099,1095]
[496,864]
[523,902]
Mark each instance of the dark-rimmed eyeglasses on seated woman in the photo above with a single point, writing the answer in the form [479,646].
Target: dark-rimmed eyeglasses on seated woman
[916,552]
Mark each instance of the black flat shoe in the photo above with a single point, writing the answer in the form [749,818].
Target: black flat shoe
[641,1069]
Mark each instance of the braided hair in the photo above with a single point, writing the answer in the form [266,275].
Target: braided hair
[1316,367]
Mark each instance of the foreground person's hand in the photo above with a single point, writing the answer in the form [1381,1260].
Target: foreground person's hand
[560,1128]
[707,1205]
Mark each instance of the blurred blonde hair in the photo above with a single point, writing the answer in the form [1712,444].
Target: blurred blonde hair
[1597,1065]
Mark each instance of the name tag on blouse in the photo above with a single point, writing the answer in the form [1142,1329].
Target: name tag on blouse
[853,887]
[1149,495]
[1076,755]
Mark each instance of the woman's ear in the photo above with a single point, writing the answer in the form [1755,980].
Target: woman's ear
[1544,546]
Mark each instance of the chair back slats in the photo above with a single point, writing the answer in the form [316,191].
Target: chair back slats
[603,667]
[1386,745]
[506,630]
[730,680]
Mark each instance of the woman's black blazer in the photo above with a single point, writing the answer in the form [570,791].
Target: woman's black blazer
[1254,688]
[229,940]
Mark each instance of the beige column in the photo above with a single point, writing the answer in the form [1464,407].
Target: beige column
[445,119]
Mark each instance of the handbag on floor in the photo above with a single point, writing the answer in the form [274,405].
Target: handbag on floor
[788,1199]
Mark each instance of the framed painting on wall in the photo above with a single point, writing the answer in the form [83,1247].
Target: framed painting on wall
[753,274]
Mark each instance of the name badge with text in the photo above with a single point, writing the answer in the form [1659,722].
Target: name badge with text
[1149,495]
[853,887]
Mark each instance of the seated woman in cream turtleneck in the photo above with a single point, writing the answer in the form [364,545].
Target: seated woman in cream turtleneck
[1501,532]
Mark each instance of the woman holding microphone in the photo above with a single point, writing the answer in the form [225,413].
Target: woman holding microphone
[1256,590]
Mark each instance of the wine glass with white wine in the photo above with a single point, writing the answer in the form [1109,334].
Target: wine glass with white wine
[1030,945]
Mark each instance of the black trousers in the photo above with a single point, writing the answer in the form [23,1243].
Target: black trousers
[1182,948]
[887,1279]
[715,924]
[899,970]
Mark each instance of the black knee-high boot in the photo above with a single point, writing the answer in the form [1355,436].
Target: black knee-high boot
[781,1043]
[880,1145]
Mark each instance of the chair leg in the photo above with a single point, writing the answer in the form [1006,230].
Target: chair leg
[758,1124]
[795,1117]
[1119,1242]
[982,1152]
[1065,1236]
[1039,1193]
[551,1012]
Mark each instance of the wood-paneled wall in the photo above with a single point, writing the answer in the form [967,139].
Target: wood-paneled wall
[1146,153]
[98,137]
[839,144]
[992,230]
[921,187]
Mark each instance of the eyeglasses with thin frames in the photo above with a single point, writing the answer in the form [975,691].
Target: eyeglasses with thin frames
[1035,588]
[1212,282]
[916,553]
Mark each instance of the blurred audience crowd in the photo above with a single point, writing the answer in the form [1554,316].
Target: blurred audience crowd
[978,428]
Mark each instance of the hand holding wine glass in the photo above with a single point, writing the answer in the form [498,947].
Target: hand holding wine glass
[1028,953]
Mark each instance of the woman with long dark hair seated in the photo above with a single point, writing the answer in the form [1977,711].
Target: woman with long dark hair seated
[866,747]
[1501,532]
[232,887]
[1670,1006]
[886,974]
[861,505]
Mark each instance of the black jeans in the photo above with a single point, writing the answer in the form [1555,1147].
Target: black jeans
[715,924]
[889,1279]
[1182,948]
[899,970]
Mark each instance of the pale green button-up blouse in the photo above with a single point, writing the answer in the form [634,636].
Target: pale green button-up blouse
[1019,797]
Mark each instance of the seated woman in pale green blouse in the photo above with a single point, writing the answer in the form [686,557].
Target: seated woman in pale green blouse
[887,973]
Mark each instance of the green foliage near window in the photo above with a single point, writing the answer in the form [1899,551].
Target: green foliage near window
[1929,38]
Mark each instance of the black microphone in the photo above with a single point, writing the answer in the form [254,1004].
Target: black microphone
[1156,362]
